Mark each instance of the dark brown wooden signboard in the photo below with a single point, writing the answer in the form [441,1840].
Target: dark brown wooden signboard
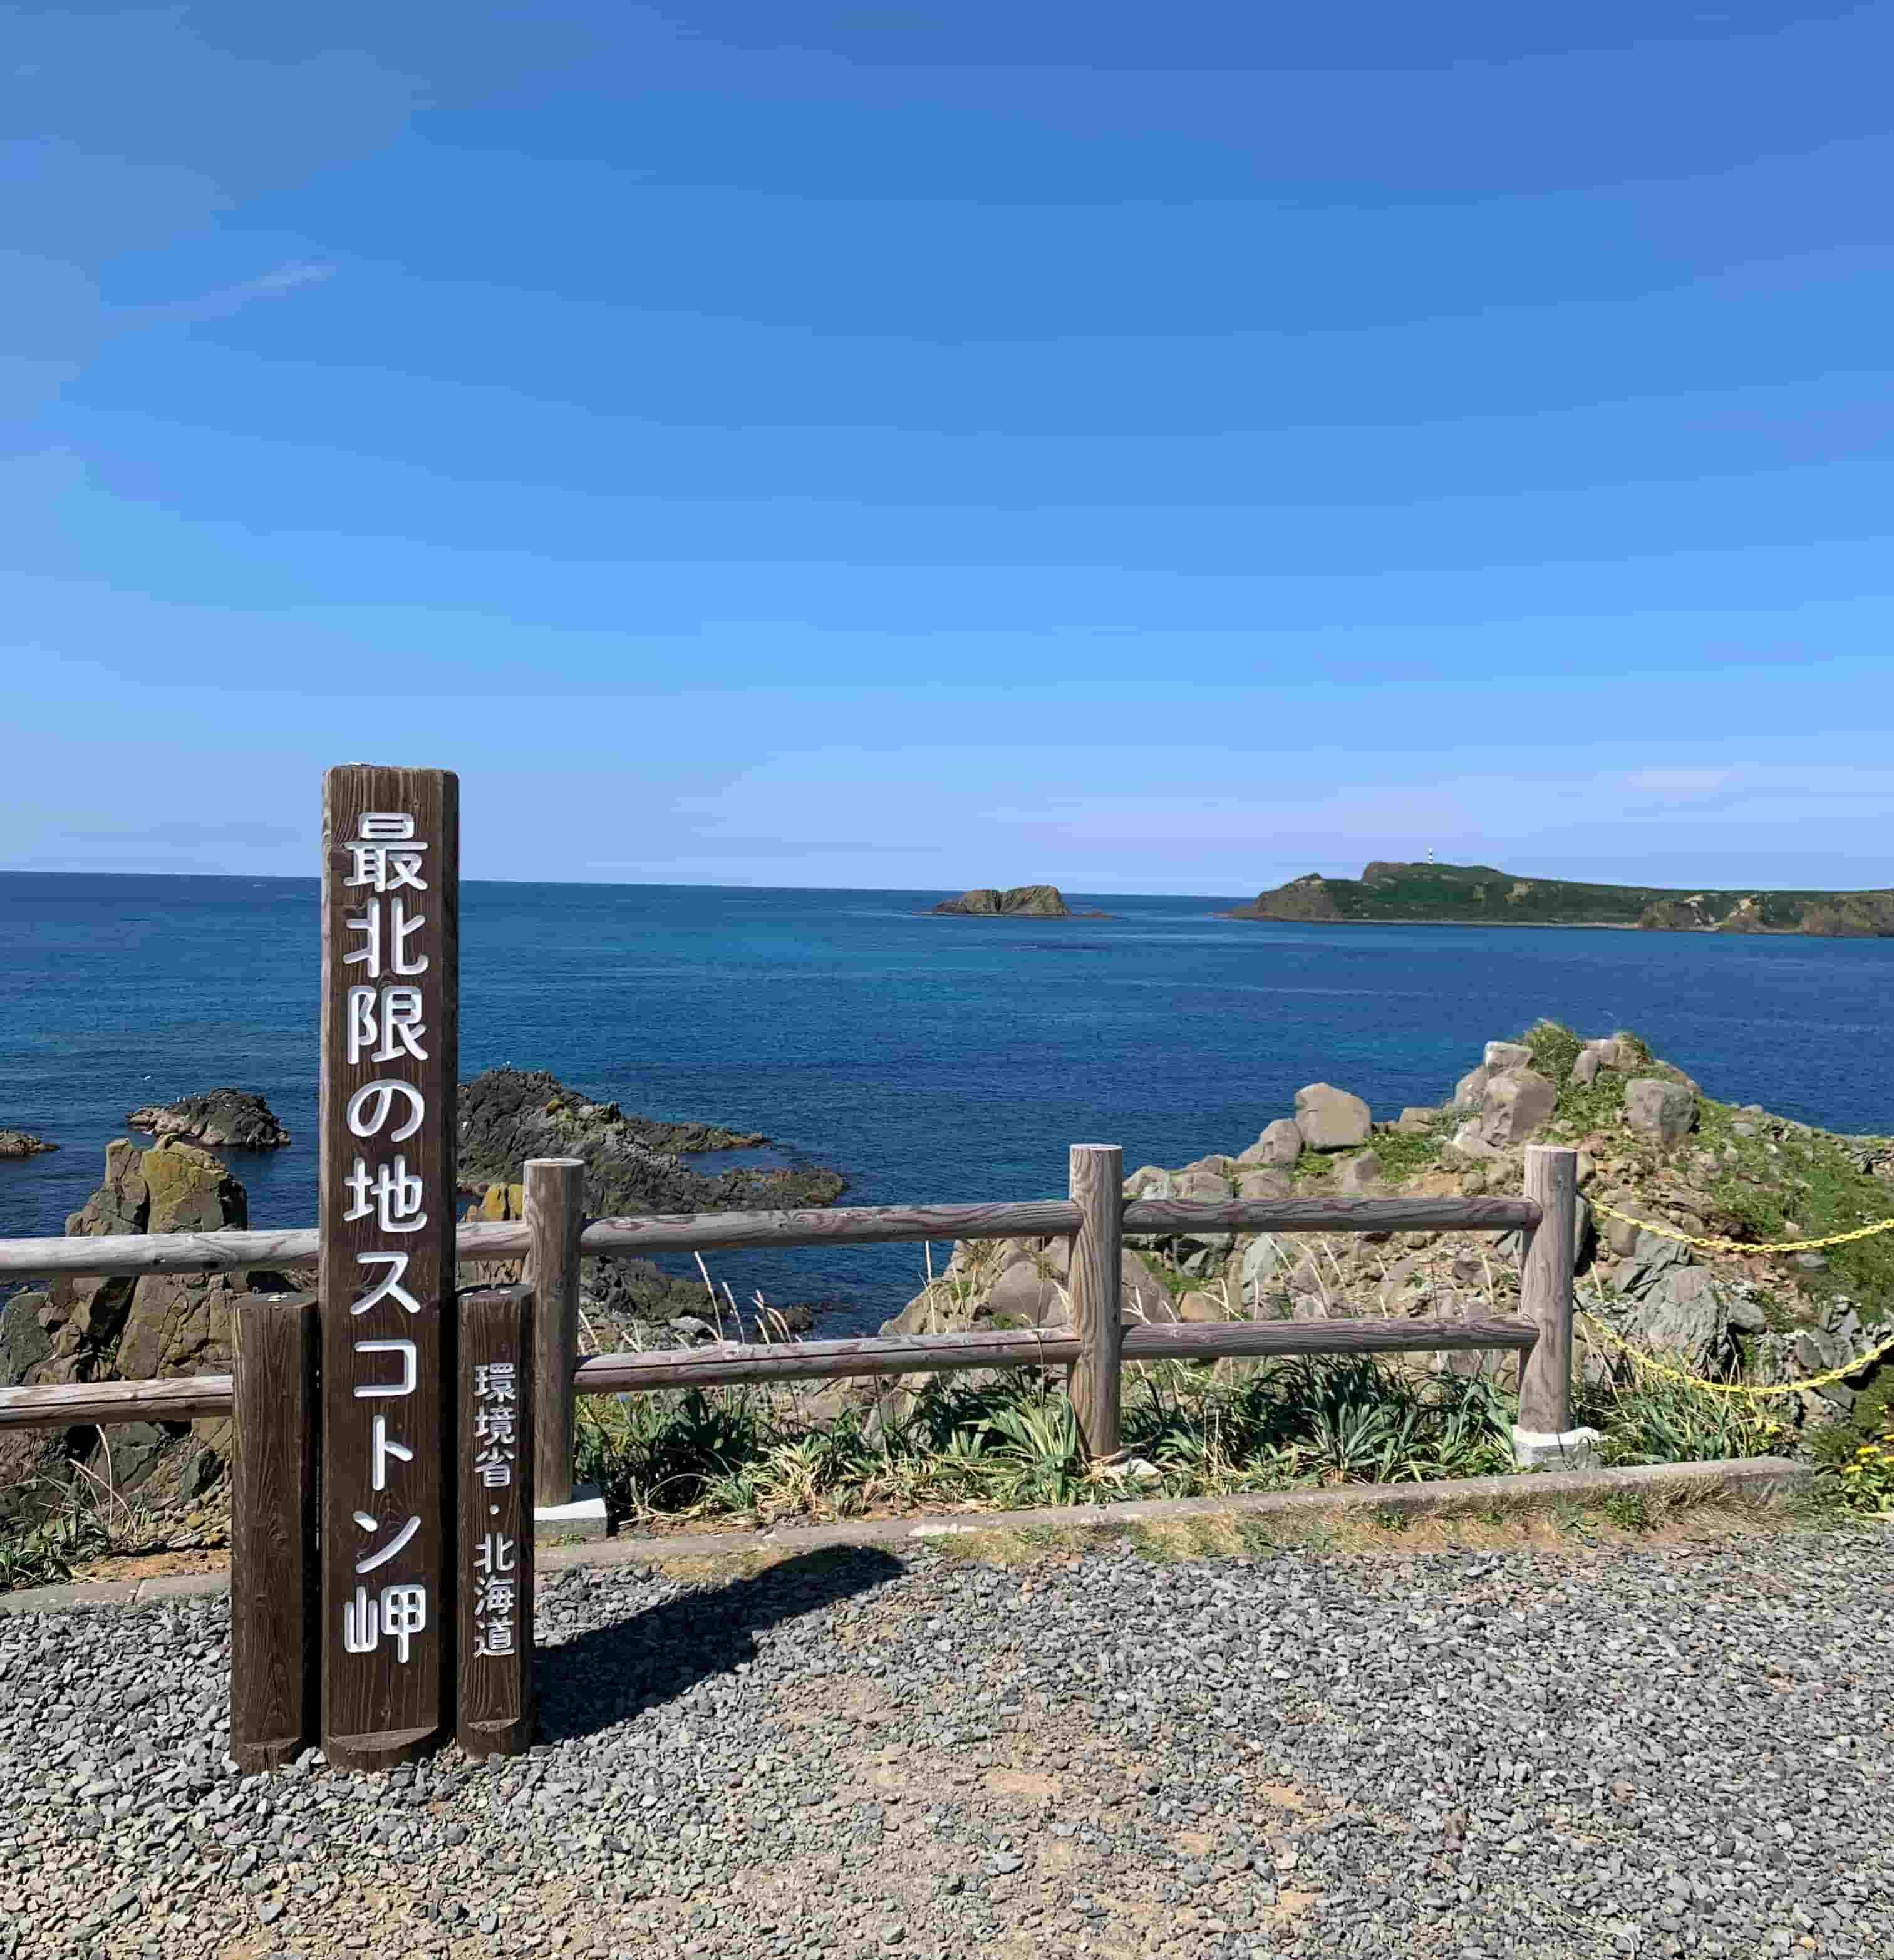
[390,960]
[496,1546]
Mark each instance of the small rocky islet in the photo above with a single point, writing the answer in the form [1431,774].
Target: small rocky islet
[234,1119]
[1018,901]
[19,1143]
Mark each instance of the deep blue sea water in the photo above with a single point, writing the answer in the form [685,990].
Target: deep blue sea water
[930,1059]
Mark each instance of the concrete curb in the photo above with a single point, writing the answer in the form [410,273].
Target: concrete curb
[1753,1478]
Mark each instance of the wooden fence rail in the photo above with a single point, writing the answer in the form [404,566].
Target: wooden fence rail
[276,1386]
[726,1363]
[724,1231]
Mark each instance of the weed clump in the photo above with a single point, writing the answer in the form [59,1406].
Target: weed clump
[1013,1442]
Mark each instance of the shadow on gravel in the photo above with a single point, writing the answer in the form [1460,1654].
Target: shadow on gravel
[611,1674]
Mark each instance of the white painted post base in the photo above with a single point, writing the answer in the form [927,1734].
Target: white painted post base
[584,1517]
[1576,1449]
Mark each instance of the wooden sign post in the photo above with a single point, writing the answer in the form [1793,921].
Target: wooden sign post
[390,1005]
[273,1716]
[494,1716]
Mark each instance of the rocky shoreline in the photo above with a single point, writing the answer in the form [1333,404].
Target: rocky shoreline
[1436,894]
[135,1329]
[1650,1145]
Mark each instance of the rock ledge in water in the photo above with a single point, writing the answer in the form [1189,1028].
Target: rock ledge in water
[633,1164]
[21,1143]
[1021,901]
[220,1118]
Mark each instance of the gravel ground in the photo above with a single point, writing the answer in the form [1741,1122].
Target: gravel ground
[1582,1750]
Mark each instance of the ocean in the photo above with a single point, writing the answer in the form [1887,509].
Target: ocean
[930,1059]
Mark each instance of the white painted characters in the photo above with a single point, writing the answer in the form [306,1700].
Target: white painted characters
[385,1024]
[365,1521]
[390,1191]
[494,1391]
[385,1020]
[496,1597]
[406,1349]
[369,1109]
[400,1612]
[401,929]
[386,854]
[388,1288]
[381,1446]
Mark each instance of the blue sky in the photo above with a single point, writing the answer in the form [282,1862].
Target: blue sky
[1163,448]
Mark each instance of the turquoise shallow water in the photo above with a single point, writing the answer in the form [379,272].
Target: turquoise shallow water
[930,1059]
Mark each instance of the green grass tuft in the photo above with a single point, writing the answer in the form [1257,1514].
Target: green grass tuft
[48,1527]
[1554,1049]
[1012,1443]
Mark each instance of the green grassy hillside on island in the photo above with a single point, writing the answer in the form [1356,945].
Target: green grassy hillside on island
[1479,894]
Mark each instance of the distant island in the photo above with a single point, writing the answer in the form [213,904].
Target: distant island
[1022,900]
[1479,894]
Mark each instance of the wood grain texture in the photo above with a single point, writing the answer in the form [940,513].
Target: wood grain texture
[728,1362]
[67,1405]
[1375,1336]
[710,1231]
[387,1692]
[868,1225]
[1151,1217]
[821,1361]
[555,1217]
[1545,1289]
[1097,1177]
[495,1713]
[156,1252]
[275,1586]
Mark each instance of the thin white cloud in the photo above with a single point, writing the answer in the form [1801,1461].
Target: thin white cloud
[227,299]
[1681,781]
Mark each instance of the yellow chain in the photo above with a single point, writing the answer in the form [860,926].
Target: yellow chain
[1740,1245]
[1657,1367]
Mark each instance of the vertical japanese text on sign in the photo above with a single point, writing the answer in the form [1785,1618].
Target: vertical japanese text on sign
[390,1011]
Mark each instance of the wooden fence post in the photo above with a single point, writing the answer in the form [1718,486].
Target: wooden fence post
[555,1216]
[493,1427]
[1544,1430]
[274,1712]
[1097,1178]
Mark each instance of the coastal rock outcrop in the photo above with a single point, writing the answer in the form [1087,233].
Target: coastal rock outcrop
[1664,1111]
[1279,1145]
[1390,893]
[1705,1308]
[1331,1119]
[1029,901]
[1516,1104]
[220,1118]
[1308,900]
[136,1328]
[633,1164]
[23,1143]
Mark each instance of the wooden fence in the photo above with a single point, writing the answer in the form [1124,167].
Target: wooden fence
[273,1392]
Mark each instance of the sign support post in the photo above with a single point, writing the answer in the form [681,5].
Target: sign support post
[390,1005]
[496,1714]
